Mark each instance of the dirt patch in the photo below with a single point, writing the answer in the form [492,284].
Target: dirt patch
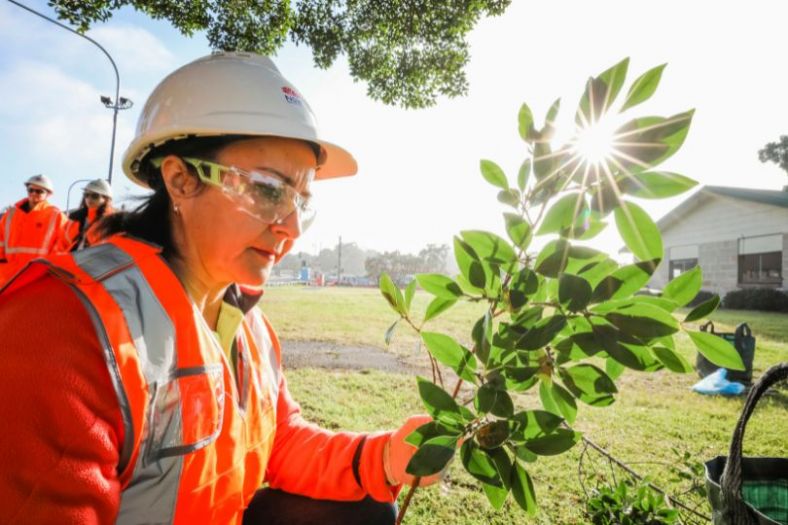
[321,354]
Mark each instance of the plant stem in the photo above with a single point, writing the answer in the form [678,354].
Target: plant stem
[406,503]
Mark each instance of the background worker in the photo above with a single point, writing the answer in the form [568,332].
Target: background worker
[30,228]
[161,398]
[96,203]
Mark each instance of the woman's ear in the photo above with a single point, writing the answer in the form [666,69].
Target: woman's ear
[180,183]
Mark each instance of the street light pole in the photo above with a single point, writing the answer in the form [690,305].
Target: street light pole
[119,103]
[68,193]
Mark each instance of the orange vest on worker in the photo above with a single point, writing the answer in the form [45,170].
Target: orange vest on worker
[28,233]
[196,440]
[78,232]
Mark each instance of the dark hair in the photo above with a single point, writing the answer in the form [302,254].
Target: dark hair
[150,221]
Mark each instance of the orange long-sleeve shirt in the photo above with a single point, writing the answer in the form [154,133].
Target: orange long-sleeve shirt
[60,448]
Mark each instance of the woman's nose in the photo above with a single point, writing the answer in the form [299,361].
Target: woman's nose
[288,227]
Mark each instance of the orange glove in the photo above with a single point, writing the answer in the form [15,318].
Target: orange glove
[397,453]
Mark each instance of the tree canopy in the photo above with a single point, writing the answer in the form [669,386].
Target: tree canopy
[408,52]
[776,152]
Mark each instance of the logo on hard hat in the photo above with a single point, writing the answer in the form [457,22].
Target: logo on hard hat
[291,96]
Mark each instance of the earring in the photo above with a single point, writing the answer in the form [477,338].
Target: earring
[176,209]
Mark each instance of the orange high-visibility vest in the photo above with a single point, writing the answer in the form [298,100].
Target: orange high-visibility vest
[78,231]
[196,440]
[25,235]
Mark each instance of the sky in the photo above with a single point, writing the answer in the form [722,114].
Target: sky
[419,179]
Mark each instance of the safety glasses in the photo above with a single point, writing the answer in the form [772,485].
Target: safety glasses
[37,191]
[89,195]
[263,194]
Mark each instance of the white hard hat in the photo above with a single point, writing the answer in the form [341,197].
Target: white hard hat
[101,187]
[229,94]
[42,181]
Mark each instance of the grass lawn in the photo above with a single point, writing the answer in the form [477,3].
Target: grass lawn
[654,414]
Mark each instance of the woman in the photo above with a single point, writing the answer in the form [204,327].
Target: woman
[96,203]
[160,397]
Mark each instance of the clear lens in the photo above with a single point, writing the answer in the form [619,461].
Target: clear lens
[261,193]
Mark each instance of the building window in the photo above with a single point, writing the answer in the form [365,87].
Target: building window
[761,260]
[679,266]
[761,268]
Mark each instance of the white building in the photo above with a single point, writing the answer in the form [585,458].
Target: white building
[738,236]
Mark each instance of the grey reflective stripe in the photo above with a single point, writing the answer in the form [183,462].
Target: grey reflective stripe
[115,377]
[102,261]
[50,232]
[265,346]
[8,218]
[152,492]
[34,251]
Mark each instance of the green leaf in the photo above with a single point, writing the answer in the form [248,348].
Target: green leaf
[518,229]
[614,369]
[639,232]
[544,161]
[717,350]
[643,321]
[549,126]
[542,333]
[489,246]
[525,121]
[643,87]
[672,360]
[704,309]
[428,431]
[624,281]
[469,264]
[574,292]
[390,332]
[564,213]
[485,399]
[614,79]
[478,464]
[437,306]
[439,403]
[523,490]
[432,456]
[523,284]
[503,406]
[656,184]
[553,444]
[648,141]
[452,354]
[553,258]
[392,294]
[558,400]
[495,495]
[510,197]
[625,349]
[589,384]
[493,174]
[439,285]
[685,287]
[523,174]
[530,424]
[482,337]
[410,291]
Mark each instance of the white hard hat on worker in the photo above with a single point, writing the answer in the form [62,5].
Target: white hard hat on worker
[230,94]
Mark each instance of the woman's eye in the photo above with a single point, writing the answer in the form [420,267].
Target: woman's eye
[271,193]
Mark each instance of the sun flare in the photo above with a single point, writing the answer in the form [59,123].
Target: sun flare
[596,143]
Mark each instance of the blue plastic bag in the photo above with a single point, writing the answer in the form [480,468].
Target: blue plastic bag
[716,383]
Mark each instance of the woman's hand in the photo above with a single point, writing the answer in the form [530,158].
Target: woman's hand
[397,454]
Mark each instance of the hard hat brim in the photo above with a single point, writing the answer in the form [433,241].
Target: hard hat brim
[338,162]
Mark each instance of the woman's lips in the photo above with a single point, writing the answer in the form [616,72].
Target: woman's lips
[266,254]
